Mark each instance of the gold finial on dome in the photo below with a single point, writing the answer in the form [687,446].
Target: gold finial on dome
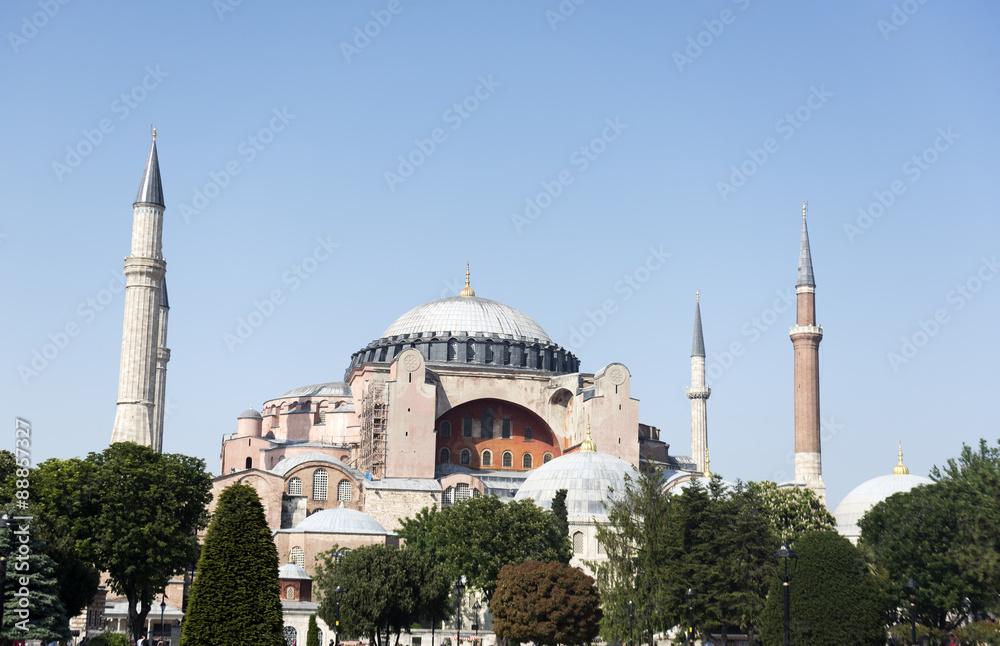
[708,468]
[588,444]
[900,469]
[467,291]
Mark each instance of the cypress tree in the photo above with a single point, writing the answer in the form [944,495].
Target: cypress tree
[834,598]
[312,634]
[235,597]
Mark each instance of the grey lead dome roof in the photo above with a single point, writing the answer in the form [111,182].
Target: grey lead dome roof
[285,465]
[469,314]
[340,521]
[590,478]
[868,494]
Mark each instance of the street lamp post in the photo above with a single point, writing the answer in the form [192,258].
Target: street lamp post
[163,607]
[631,619]
[476,607]
[459,592]
[690,594]
[785,573]
[338,594]
[911,590]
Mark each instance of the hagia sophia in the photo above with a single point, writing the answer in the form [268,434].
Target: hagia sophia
[459,397]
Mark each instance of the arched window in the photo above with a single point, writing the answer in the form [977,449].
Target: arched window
[447,497]
[578,543]
[452,350]
[487,428]
[487,458]
[505,428]
[341,554]
[290,592]
[295,487]
[506,353]
[470,351]
[546,458]
[319,484]
[489,352]
[462,492]
[465,457]
[508,459]
[445,456]
[289,634]
[445,429]
[527,433]
[467,426]
[344,490]
[526,461]
[297,556]
[601,549]
[249,463]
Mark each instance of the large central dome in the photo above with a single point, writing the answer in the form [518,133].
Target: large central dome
[468,314]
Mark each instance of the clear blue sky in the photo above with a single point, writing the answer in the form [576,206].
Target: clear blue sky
[848,94]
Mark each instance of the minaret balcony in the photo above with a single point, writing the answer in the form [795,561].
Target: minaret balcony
[806,330]
[699,392]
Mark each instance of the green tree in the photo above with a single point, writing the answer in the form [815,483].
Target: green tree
[57,504]
[546,603]
[793,511]
[383,589]
[464,538]
[32,607]
[312,633]
[560,523]
[834,598]
[235,597]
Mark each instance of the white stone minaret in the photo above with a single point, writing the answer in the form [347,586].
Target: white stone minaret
[806,336]
[698,393]
[162,357]
[136,416]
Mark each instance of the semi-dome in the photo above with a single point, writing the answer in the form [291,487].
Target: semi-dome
[332,389]
[591,479]
[340,521]
[468,314]
[285,465]
[871,492]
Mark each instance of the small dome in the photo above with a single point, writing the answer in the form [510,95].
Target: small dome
[249,414]
[290,571]
[586,475]
[469,314]
[340,521]
[287,464]
[868,494]
[331,389]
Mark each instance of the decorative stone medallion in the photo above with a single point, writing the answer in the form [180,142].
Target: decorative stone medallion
[617,375]
[411,362]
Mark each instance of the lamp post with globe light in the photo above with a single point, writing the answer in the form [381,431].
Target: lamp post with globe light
[911,591]
[459,592]
[338,594]
[631,619]
[690,594]
[785,573]
[6,522]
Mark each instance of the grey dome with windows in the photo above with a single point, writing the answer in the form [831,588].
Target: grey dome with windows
[340,521]
[469,314]
[591,480]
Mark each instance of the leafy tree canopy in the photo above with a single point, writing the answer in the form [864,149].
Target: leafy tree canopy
[546,603]
[793,511]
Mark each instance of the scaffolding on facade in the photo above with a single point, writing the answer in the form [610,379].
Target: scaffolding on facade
[374,419]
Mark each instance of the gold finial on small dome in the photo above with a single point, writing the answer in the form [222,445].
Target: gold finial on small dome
[467,291]
[708,468]
[588,444]
[900,469]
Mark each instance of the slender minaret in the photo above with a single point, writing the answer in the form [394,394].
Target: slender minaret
[162,357]
[135,418]
[698,393]
[806,336]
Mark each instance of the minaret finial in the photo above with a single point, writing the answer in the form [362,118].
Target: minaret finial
[154,132]
[467,291]
[588,444]
[901,469]
[708,469]
[697,296]
[805,206]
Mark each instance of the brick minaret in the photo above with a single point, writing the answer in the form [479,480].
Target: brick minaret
[698,393]
[806,336]
[135,418]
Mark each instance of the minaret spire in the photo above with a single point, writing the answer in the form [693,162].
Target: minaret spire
[137,417]
[806,336]
[698,393]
